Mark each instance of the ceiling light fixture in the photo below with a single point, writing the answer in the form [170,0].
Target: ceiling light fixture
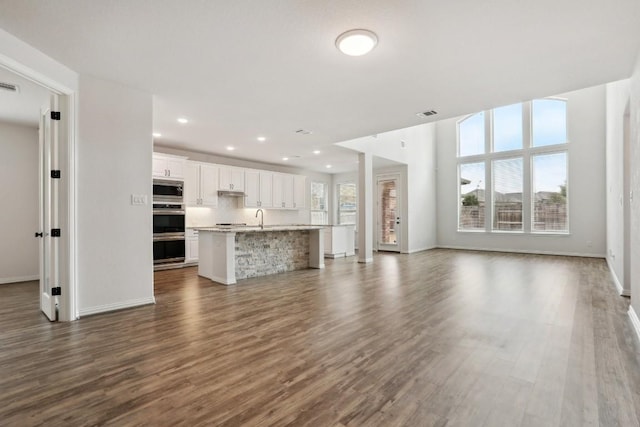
[262,139]
[316,151]
[285,158]
[356,42]
[157,135]
[328,166]
[230,148]
[183,121]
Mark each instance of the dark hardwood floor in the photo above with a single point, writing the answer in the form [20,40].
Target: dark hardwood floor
[435,338]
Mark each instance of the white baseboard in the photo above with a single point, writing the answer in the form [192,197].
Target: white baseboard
[426,248]
[4,280]
[117,306]
[634,320]
[621,290]
[365,261]
[523,251]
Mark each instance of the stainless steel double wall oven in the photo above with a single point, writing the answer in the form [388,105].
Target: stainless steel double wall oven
[168,222]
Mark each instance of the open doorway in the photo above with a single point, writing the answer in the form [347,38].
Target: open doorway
[28,149]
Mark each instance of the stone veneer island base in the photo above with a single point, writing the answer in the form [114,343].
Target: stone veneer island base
[228,255]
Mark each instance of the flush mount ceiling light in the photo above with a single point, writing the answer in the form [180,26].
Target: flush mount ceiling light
[285,158]
[262,139]
[230,148]
[316,151]
[356,42]
[157,135]
[183,121]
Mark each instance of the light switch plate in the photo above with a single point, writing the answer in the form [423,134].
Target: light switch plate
[138,199]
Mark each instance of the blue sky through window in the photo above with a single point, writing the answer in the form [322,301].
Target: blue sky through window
[472,135]
[549,172]
[549,122]
[507,128]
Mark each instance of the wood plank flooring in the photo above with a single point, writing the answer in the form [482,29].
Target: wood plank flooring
[438,338]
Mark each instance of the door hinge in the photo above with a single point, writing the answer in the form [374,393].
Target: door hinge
[55,232]
[56,291]
[55,115]
[55,174]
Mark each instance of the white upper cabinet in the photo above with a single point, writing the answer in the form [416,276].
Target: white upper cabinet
[258,189]
[282,191]
[266,189]
[201,184]
[299,191]
[167,166]
[231,178]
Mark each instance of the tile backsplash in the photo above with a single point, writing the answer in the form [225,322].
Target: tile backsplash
[230,209]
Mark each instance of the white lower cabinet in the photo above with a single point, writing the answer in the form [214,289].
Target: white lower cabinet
[191,246]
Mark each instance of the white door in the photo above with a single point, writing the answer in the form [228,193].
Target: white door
[388,214]
[48,210]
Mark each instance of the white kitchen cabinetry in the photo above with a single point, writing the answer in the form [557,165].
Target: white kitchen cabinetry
[231,179]
[168,166]
[201,184]
[339,241]
[191,246]
[299,191]
[282,191]
[258,187]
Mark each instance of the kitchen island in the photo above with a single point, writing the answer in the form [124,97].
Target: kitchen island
[228,254]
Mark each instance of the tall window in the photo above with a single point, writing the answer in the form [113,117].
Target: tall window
[319,214]
[347,203]
[549,192]
[507,194]
[472,196]
[495,151]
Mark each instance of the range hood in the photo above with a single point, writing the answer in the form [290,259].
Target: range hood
[231,193]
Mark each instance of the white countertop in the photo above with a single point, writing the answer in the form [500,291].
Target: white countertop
[257,229]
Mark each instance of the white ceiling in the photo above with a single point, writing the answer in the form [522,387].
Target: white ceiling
[21,107]
[247,68]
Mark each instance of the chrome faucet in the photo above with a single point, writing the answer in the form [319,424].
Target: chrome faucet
[259,211]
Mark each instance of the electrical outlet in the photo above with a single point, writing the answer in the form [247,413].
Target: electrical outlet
[138,199]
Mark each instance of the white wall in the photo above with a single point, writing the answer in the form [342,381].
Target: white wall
[115,256]
[19,194]
[635,188]
[586,132]
[230,209]
[617,98]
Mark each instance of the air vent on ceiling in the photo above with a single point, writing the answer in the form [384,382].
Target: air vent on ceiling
[9,87]
[304,132]
[427,113]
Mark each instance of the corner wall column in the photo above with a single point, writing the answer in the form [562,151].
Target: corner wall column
[365,207]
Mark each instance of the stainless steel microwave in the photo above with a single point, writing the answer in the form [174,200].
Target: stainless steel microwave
[168,191]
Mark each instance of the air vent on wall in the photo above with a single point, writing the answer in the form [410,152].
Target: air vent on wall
[9,87]
[427,113]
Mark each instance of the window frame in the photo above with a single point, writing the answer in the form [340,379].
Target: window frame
[325,211]
[526,152]
[354,210]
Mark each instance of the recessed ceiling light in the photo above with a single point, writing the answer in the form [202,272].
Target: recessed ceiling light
[356,42]
[285,158]
[230,148]
[328,166]
[262,139]
[183,121]
[157,135]
[316,151]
